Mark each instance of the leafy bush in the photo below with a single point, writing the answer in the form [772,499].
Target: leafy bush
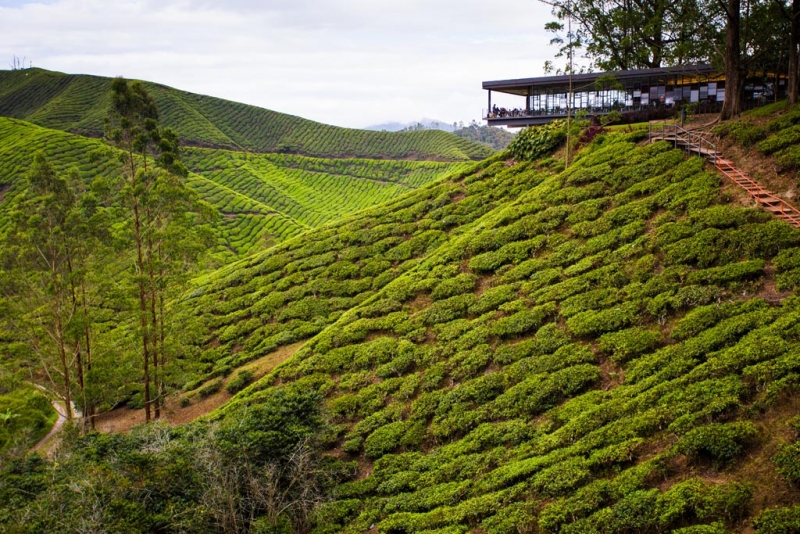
[788,462]
[722,442]
[385,439]
[242,379]
[25,418]
[211,388]
[788,158]
[786,121]
[627,344]
[778,521]
[780,140]
[743,132]
[535,142]
[598,322]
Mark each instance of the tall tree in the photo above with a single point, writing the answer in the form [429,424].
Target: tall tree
[163,221]
[734,80]
[133,112]
[45,258]
[631,34]
[791,13]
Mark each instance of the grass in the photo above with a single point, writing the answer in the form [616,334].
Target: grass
[79,103]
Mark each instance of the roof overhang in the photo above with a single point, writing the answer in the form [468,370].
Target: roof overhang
[521,86]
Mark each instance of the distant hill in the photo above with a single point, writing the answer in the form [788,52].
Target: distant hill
[263,198]
[79,103]
[429,124]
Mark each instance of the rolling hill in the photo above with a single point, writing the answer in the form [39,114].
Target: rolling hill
[263,198]
[80,103]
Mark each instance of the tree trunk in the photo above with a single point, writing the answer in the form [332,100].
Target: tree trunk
[794,40]
[89,407]
[62,351]
[157,401]
[137,226]
[161,387]
[734,81]
[77,342]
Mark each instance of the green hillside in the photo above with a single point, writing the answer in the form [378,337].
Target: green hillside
[263,198]
[291,292]
[614,351]
[614,347]
[80,103]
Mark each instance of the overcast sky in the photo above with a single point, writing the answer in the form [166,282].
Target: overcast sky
[346,62]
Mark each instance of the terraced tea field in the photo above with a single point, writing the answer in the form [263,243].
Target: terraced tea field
[79,103]
[263,198]
[612,348]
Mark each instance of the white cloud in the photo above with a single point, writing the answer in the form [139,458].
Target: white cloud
[351,63]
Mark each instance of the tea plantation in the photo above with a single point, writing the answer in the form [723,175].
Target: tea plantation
[263,198]
[80,103]
[610,348]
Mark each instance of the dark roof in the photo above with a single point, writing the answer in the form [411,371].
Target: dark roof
[520,85]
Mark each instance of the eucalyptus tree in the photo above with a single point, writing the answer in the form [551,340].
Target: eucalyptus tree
[165,221]
[45,260]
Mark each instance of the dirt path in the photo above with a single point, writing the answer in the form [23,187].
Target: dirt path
[46,443]
[59,424]
[123,419]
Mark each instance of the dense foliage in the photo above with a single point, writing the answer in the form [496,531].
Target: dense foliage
[79,103]
[257,473]
[25,418]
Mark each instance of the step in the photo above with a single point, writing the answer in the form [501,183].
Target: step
[777,209]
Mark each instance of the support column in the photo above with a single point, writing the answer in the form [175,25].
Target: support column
[489,109]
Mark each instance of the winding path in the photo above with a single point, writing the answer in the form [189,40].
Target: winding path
[61,410]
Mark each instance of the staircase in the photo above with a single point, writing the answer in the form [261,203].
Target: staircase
[693,143]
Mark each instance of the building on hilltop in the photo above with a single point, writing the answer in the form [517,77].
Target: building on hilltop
[640,94]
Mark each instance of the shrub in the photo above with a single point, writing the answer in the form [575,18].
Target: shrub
[242,379]
[627,344]
[788,158]
[778,521]
[781,140]
[744,133]
[720,441]
[522,321]
[788,462]
[785,121]
[597,322]
[210,388]
[454,286]
[385,439]
[537,141]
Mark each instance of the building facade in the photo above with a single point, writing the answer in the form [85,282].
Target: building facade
[637,94]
